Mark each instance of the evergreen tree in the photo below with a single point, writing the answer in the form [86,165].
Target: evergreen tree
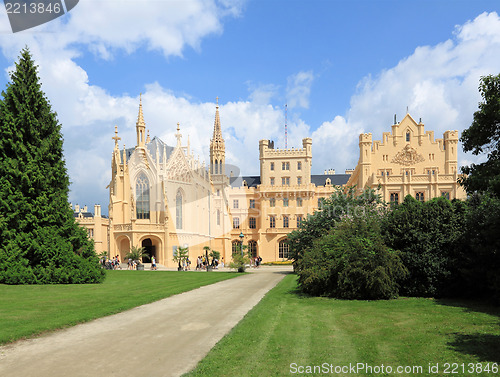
[39,239]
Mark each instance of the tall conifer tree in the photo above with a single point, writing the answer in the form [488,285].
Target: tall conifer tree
[40,242]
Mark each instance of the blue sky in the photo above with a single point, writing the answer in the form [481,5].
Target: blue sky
[343,67]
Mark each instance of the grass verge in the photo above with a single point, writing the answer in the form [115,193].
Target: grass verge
[286,327]
[28,310]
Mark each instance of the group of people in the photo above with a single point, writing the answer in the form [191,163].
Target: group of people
[256,261]
[112,263]
[202,262]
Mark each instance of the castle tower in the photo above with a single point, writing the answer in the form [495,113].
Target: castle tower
[140,127]
[217,147]
[365,154]
[450,147]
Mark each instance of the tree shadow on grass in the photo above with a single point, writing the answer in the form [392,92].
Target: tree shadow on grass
[485,347]
[470,305]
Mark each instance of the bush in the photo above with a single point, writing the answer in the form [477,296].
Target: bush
[430,238]
[352,261]
[481,261]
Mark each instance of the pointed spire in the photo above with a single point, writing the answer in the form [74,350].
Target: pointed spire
[116,137]
[148,139]
[124,155]
[140,126]
[178,134]
[217,129]
[140,117]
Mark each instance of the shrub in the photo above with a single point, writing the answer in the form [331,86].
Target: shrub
[352,261]
[429,236]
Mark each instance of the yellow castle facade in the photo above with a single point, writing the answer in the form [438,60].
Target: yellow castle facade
[409,161]
[161,197]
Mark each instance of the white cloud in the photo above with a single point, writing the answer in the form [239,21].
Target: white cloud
[298,89]
[437,83]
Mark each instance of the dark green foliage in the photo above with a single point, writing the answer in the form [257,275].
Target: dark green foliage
[339,204]
[351,261]
[430,238]
[481,263]
[484,136]
[39,239]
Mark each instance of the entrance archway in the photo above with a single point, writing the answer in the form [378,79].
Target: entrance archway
[123,244]
[150,250]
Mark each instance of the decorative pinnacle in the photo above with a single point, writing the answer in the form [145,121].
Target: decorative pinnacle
[178,134]
[217,129]
[140,117]
[116,137]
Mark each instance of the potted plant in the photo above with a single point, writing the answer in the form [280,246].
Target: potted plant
[240,260]
[208,266]
[180,256]
[136,254]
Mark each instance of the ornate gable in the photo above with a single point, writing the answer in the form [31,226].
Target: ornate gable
[178,168]
[408,156]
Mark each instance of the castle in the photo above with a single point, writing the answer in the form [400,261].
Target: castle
[161,197]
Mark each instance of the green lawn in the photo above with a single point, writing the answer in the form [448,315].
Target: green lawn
[286,328]
[27,310]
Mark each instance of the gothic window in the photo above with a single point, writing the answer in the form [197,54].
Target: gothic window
[252,248]
[419,196]
[272,165]
[408,136]
[142,197]
[394,198]
[285,202]
[252,223]
[252,203]
[178,210]
[299,165]
[216,167]
[272,222]
[299,220]
[285,222]
[272,202]
[283,249]
[236,223]
[445,194]
[272,181]
[299,202]
[299,181]
[236,247]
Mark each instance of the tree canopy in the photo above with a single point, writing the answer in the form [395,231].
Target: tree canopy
[483,136]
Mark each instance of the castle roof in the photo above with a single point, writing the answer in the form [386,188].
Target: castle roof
[336,179]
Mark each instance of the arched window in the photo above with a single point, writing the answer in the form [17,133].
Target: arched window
[178,210]
[216,167]
[252,247]
[142,197]
[407,136]
[283,249]
[236,246]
